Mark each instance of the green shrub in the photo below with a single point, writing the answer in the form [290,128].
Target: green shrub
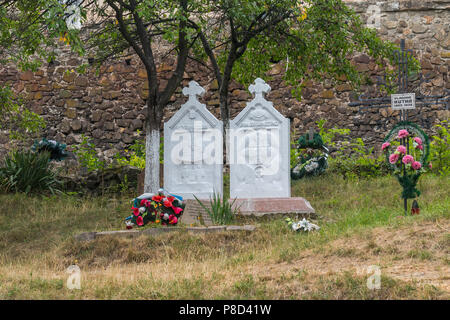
[87,156]
[221,211]
[26,171]
[135,154]
[21,122]
[329,135]
[356,160]
[440,149]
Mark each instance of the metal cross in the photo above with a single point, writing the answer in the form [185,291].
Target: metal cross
[404,84]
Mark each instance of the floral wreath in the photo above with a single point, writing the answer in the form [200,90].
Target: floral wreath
[161,208]
[407,148]
[57,150]
[313,158]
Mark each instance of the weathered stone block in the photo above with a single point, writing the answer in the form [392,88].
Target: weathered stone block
[97,133]
[86,236]
[71,113]
[343,87]
[419,28]
[76,125]
[211,229]
[81,81]
[26,76]
[327,94]
[119,233]
[71,103]
[64,94]
[241,228]
[69,76]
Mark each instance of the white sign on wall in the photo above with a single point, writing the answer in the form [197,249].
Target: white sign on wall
[403,101]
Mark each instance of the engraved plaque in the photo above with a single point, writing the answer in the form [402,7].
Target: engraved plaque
[195,214]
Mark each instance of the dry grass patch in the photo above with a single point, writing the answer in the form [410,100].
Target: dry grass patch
[360,227]
[415,252]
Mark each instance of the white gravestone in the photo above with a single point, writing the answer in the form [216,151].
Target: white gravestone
[193,150]
[259,149]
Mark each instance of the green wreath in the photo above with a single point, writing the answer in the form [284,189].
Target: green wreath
[310,163]
[57,150]
[407,165]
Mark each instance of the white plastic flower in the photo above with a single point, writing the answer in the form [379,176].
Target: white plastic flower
[312,165]
[305,225]
[129,223]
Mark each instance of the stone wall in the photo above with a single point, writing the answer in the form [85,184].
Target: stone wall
[109,106]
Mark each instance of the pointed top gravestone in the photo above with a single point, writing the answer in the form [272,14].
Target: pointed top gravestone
[259,149]
[193,151]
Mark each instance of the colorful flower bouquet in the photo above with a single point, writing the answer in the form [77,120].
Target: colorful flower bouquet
[161,208]
[406,148]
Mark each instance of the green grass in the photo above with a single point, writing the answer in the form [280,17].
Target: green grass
[36,247]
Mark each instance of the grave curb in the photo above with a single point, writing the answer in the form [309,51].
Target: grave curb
[89,236]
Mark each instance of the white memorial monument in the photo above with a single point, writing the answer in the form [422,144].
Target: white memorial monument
[259,149]
[193,149]
[260,160]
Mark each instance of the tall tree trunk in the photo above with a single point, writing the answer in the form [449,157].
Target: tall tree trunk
[152,142]
[224,107]
[225,116]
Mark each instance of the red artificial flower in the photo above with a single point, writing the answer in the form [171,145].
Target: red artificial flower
[173,219]
[177,210]
[171,198]
[140,221]
[168,203]
[135,211]
[157,198]
[144,202]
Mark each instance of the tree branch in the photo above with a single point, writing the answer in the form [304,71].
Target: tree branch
[177,75]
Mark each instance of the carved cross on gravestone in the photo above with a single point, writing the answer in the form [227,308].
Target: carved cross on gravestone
[259,88]
[193,91]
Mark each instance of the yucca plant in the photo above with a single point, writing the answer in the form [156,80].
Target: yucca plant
[26,171]
[221,211]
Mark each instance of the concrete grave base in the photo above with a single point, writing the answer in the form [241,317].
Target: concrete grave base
[89,236]
[195,214]
[259,207]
